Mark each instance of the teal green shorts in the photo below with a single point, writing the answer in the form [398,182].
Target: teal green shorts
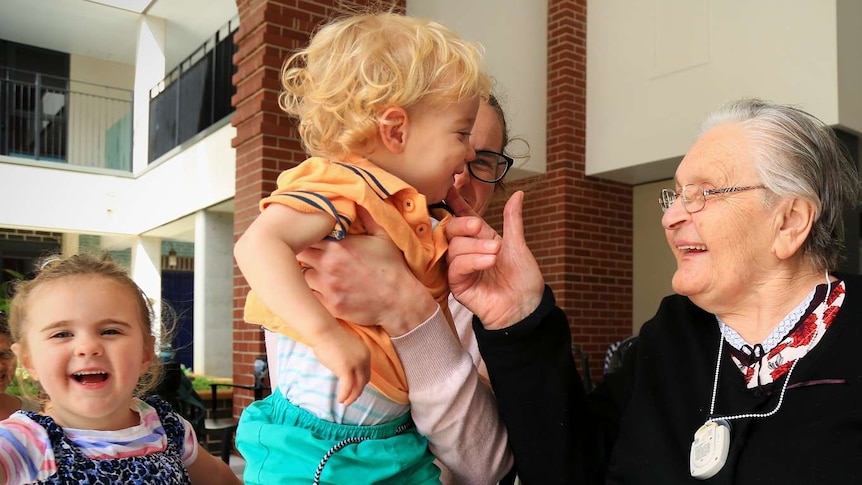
[284,444]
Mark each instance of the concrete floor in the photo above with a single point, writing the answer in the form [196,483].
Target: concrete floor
[237,464]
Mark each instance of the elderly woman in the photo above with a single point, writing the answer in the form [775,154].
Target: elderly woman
[748,375]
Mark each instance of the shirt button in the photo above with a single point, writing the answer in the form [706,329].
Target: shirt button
[408,205]
[421,228]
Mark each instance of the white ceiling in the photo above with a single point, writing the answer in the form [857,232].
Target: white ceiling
[94,30]
[133,5]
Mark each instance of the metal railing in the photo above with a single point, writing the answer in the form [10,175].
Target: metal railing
[195,94]
[56,119]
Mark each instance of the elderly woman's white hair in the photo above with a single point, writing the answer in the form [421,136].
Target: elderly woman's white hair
[797,155]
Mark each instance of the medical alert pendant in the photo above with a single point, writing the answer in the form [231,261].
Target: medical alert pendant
[709,449]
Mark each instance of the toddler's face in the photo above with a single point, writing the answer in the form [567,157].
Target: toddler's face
[437,147]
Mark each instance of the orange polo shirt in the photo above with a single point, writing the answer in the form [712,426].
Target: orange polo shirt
[337,188]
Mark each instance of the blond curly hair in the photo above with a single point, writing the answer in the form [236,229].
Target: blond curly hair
[356,67]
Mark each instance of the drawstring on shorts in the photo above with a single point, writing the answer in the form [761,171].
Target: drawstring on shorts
[349,441]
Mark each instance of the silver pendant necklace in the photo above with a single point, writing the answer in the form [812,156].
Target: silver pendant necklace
[712,440]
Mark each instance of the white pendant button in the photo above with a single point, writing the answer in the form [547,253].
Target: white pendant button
[709,449]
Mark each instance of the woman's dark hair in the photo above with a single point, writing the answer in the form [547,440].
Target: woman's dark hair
[523,157]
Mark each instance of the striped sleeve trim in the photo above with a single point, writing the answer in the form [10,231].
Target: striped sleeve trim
[323,204]
[369,178]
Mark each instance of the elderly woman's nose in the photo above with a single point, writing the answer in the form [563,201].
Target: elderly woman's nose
[675,214]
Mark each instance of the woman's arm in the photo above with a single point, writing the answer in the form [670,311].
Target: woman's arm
[451,405]
[526,343]
[540,395]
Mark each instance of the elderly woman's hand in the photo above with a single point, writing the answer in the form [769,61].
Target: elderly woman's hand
[364,279]
[497,278]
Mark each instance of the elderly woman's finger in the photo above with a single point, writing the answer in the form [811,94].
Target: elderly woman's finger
[512,218]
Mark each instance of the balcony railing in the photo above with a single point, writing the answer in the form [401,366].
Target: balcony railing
[60,120]
[195,94]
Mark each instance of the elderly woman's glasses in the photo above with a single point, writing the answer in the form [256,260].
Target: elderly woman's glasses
[694,196]
[489,166]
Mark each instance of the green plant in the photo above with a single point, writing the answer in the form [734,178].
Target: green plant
[201,383]
[22,378]
[6,289]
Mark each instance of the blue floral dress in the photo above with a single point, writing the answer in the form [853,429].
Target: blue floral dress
[163,467]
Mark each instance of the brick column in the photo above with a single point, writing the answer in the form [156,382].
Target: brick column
[579,227]
[266,140]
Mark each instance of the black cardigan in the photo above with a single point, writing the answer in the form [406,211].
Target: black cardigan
[636,427]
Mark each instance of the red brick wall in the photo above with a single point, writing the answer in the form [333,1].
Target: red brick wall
[579,227]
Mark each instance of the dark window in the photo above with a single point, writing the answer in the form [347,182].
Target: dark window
[21,255]
[852,223]
[196,94]
[33,101]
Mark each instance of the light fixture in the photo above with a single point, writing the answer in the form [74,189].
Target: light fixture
[172,258]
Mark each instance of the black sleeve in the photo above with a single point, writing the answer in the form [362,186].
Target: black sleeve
[540,396]
[604,411]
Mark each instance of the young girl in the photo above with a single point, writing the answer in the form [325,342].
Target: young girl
[385,105]
[82,329]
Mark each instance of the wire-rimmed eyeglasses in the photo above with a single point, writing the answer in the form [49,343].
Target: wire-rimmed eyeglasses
[490,166]
[694,196]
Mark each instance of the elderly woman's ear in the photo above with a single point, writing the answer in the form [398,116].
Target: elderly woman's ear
[795,219]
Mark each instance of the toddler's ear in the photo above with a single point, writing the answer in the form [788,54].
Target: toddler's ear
[393,129]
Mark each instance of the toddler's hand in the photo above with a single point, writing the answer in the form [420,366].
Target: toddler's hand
[349,359]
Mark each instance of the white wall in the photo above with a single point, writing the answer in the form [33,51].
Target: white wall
[86,202]
[653,264]
[37,197]
[213,306]
[656,67]
[98,71]
[514,34]
[200,176]
[150,70]
[100,97]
